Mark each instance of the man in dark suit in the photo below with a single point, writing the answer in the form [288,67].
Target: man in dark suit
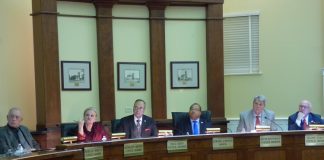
[14,133]
[303,117]
[138,125]
[192,123]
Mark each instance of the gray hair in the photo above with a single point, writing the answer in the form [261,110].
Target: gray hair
[139,100]
[260,98]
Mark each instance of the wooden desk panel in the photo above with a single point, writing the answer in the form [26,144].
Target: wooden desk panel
[246,147]
[74,154]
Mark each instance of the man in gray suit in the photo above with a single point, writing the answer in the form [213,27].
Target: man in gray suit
[258,115]
[14,134]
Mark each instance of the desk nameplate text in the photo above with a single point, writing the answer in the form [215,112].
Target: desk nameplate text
[270,141]
[223,143]
[177,146]
[314,140]
[133,149]
[93,153]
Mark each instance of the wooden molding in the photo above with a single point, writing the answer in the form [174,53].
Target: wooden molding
[105,63]
[157,46]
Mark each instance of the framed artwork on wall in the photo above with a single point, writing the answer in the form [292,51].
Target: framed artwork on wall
[184,74]
[76,75]
[131,76]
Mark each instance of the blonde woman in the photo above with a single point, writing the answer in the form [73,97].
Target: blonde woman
[90,130]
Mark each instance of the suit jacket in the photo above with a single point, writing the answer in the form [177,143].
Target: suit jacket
[9,140]
[148,127]
[312,119]
[183,127]
[246,123]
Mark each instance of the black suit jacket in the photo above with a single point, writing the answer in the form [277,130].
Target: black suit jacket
[9,140]
[183,127]
[312,119]
[148,128]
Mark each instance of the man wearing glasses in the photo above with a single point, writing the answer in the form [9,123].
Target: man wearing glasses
[303,117]
[138,125]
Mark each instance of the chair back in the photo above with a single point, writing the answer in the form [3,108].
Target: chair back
[69,129]
[178,116]
[115,125]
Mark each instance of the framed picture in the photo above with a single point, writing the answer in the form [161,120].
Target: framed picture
[131,76]
[76,75]
[184,74]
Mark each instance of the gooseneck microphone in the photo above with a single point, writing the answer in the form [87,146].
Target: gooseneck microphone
[274,123]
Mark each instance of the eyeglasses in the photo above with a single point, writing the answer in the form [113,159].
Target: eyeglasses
[304,106]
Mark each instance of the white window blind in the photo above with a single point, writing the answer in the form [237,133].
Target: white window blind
[241,44]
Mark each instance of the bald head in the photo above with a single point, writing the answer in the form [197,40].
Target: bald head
[14,117]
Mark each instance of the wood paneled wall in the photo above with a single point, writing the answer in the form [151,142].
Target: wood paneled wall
[47,58]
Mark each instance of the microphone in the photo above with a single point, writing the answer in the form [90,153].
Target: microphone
[274,123]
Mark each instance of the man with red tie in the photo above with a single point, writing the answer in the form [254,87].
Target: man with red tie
[303,117]
[258,115]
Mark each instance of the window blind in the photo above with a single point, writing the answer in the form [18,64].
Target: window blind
[241,44]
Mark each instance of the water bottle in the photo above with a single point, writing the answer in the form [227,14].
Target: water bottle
[104,138]
[20,148]
[19,151]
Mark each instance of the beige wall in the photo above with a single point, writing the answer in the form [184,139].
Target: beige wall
[291,57]
[291,52]
[17,81]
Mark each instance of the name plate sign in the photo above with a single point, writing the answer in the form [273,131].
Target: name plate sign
[177,146]
[223,143]
[270,141]
[314,140]
[133,149]
[93,153]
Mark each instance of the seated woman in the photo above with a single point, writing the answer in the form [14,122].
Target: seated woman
[89,130]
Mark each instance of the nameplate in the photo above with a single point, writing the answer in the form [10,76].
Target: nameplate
[270,141]
[314,140]
[223,143]
[177,146]
[93,153]
[133,149]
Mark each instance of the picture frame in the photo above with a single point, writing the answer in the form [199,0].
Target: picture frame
[76,75]
[184,74]
[131,75]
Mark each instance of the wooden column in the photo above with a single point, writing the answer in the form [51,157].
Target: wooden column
[105,60]
[215,60]
[157,46]
[47,80]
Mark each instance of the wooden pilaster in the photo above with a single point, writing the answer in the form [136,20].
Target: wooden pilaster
[215,60]
[46,57]
[105,60]
[157,46]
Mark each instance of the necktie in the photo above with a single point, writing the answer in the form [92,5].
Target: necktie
[22,140]
[257,120]
[304,124]
[195,127]
[138,129]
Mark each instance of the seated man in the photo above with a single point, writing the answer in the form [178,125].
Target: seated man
[13,134]
[258,115]
[303,117]
[138,125]
[192,124]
